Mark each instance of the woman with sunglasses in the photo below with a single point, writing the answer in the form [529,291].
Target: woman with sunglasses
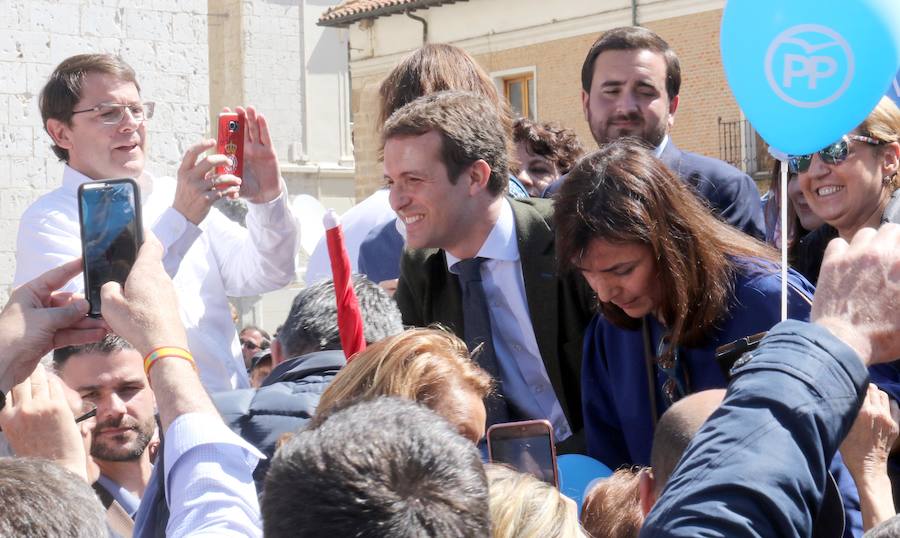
[852,184]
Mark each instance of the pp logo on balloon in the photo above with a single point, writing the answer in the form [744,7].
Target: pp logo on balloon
[809,65]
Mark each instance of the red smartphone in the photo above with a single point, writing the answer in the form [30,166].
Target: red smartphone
[525,446]
[231,144]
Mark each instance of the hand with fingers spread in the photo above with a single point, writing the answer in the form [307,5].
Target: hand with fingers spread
[262,177]
[865,451]
[38,423]
[857,293]
[38,319]
[198,188]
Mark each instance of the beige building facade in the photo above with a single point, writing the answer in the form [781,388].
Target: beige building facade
[546,41]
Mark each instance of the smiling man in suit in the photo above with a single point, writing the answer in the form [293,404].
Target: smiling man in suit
[483,264]
[630,86]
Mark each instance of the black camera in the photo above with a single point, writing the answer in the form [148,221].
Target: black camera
[232,126]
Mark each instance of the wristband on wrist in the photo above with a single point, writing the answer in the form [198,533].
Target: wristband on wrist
[166,352]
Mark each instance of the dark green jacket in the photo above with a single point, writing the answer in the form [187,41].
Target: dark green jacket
[560,306]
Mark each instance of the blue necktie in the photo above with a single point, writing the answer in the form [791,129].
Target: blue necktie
[477,331]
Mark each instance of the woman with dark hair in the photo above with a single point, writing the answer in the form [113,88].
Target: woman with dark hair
[673,284]
[545,151]
[804,252]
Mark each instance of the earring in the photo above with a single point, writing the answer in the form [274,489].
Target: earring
[887,180]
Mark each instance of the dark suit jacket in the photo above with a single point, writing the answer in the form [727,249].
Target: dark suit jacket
[560,305]
[730,192]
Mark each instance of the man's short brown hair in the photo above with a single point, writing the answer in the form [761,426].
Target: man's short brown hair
[63,89]
[633,38]
[470,129]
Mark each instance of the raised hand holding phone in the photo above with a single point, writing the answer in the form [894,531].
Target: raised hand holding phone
[261,181]
[111,234]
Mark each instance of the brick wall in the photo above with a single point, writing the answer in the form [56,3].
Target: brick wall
[705,95]
[164,40]
[366,141]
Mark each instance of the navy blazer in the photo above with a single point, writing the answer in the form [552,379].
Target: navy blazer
[731,193]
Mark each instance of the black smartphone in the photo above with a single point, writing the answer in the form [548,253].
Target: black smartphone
[111,234]
[525,446]
[729,353]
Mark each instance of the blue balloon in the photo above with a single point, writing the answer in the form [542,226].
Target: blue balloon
[577,473]
[894,90]
[806,72]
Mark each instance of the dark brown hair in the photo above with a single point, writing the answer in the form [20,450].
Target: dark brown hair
[63,89]
[470,130]
[623,194]
[437,67]
[552,141]
[633,38]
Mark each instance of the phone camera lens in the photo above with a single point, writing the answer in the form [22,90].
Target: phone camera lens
[232,126]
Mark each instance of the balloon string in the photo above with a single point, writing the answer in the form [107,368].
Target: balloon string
[785,238]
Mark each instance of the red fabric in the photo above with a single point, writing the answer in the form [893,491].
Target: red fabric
[350,324]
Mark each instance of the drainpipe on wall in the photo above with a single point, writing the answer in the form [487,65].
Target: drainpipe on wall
[424,26]
[634,15]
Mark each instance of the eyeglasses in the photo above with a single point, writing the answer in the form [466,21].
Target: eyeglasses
[88,410]
[834,154]
[674,388]
[114,113]
[249,345]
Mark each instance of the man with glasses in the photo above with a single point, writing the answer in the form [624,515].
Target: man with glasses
[94,113]
[253,339]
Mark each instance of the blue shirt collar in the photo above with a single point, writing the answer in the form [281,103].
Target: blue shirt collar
[501,243]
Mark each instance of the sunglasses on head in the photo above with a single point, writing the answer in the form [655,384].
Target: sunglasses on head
[833,154]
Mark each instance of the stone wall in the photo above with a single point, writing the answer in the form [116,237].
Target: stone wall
[164,40]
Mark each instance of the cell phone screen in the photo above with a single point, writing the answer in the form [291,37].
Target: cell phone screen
[110,234]
[533,455]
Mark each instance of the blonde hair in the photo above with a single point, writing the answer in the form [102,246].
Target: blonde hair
[417,364]
[883,124]
[612,508]
[524,507]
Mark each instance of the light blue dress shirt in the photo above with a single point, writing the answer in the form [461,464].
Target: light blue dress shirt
[526,384]
[209,479]
[126,499]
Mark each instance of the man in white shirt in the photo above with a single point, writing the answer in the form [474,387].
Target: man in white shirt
[92,109]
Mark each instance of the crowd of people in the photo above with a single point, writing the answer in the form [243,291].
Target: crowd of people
[506,274]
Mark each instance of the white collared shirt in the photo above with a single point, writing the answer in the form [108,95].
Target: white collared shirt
[208,263]
[526,384]
[658,150]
